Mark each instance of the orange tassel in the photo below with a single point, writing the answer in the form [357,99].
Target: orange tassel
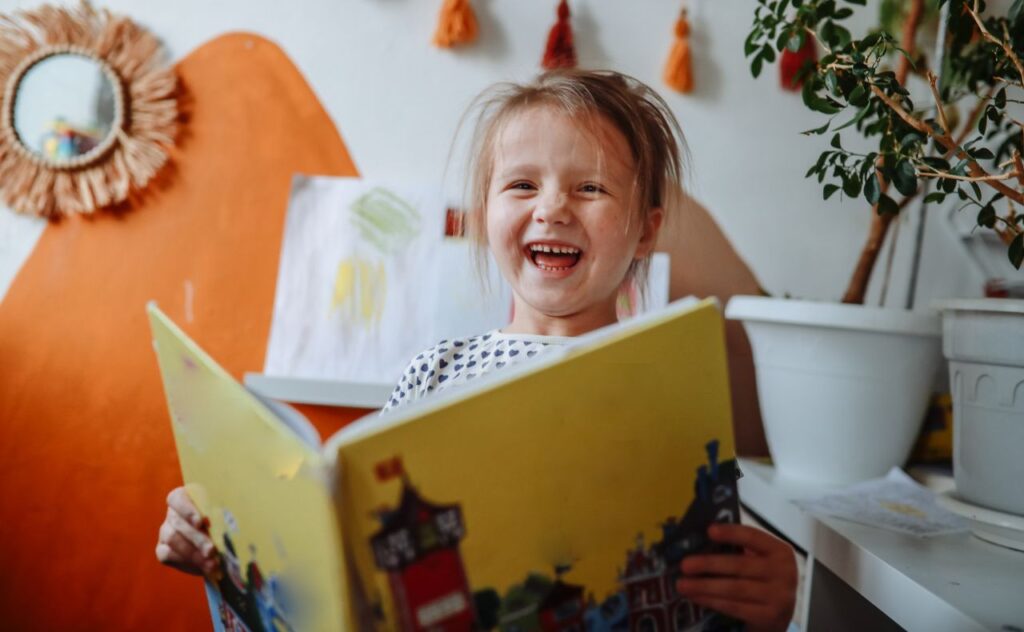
[560,52]
[791,64]
[456,24]
[678,69]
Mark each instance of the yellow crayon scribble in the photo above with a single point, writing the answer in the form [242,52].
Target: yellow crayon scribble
[905,509]
[360,289]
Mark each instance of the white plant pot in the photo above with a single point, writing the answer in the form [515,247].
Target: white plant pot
[843,388]
[983,339]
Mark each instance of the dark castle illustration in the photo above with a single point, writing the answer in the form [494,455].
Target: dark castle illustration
[417,546]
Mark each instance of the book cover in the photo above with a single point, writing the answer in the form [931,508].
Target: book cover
[560,494]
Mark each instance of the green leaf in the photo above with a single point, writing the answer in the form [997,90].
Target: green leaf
[982,124]
[1000,99]
[856,119]
[982,153]
[887,206]
[1014,13]
[905,177]
[781,40]
[829,190]
[755,66]
[871,188]
[842,14]
[768,53]
[817,130]
[937,197]
[851,186]
[910,139]
[831,82]
[750,45]
[987,216]
[869,41]
[859,96]
[836,141]
[947,185]
[1016,252]
[937,163]
[858,2]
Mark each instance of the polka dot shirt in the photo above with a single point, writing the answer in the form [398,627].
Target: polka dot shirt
[452,362]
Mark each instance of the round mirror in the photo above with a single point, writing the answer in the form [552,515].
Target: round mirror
[65,106]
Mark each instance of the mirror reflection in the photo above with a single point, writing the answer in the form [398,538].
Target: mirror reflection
[64,107]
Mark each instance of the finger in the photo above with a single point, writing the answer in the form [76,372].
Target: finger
[756,616]
[180,502]
[749,538]
[199,540]
[170,557]
[178,543]
[738,566]
[732,589]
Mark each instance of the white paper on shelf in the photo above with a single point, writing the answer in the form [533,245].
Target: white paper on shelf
[894,502]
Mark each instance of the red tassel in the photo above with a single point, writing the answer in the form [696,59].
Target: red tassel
[791,63]
[678,69]
[560,52]
[456,24]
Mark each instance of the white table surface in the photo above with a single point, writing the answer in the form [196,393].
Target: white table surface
[953,582]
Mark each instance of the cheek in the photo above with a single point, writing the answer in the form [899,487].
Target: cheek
[501,233]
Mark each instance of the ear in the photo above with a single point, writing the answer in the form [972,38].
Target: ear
[649,236]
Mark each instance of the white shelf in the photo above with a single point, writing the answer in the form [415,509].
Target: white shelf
[954,582]
[323,392]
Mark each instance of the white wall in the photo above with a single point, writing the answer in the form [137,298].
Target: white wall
[397,101]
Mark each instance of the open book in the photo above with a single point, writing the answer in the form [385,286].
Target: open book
[557,494]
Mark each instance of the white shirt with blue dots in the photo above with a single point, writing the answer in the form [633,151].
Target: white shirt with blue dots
[452,362]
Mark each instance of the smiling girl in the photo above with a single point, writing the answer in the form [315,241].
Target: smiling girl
[572,177]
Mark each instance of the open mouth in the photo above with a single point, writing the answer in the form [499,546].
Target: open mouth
[554,257]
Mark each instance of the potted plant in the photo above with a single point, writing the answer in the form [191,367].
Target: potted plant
[844,387]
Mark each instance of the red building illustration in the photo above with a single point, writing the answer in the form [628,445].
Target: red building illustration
[418,547]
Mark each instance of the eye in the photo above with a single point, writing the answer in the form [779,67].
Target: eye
[521,185]
[591,187]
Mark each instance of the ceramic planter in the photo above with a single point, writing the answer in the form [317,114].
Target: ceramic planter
[983,339]
[843,388]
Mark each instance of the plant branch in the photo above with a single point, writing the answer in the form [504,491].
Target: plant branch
[949,176]
[995,40]
[948,143]
[943,121]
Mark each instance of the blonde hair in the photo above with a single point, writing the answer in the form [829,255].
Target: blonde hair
[637,111]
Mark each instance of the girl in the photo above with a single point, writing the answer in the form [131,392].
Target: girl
[572,177]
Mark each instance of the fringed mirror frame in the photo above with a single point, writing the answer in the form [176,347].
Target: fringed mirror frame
[145,117]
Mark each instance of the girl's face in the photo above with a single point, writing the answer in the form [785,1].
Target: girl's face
[560,222]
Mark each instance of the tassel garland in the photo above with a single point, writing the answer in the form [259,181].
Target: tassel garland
[456,24]
[560,52]
[678,69]
[791,64]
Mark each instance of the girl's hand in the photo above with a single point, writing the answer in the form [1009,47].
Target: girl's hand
[182,542]
[757,587]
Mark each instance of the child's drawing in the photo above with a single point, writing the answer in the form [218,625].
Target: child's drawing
[366,275]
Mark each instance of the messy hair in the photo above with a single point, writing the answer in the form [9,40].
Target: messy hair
[637,111]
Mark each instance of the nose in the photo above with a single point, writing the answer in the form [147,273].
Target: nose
[552,208]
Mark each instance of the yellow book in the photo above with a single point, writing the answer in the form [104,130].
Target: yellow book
[557,494]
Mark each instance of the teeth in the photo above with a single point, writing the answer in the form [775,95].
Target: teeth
[565,250]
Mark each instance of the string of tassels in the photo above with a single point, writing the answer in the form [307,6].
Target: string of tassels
[456,24]
[560,52]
